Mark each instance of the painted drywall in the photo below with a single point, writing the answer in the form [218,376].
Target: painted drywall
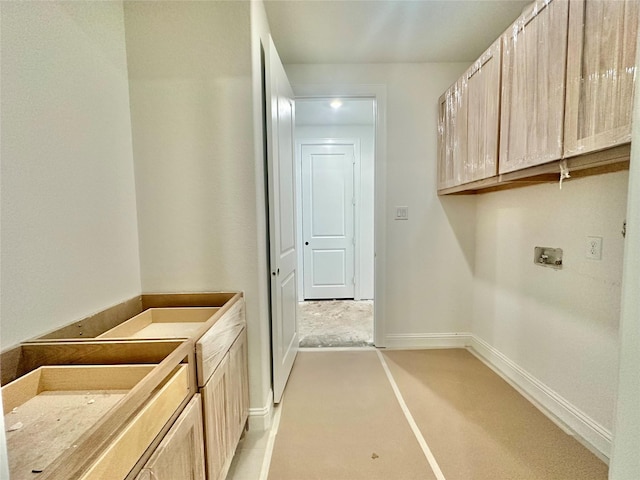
[365,135]
[561,326]
[69,233]
[430,257]
[192,111]
[625,461]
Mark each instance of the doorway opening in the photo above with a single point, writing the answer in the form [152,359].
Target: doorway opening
[335,159]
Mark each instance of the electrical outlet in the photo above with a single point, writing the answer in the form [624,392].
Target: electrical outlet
[594,248]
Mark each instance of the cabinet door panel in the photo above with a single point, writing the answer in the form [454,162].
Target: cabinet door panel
[459,123]
[600,74]
[238,395]
[452,130]
[180,455]
[483,92]
[214,398]
[533,76]
[445,142]
[452,136]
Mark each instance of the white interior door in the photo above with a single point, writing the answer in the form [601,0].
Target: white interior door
[282,220]
[328,230]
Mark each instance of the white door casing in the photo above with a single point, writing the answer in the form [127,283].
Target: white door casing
[379,94]
[328,221]
[282,219]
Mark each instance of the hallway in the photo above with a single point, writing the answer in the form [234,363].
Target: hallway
[335,323]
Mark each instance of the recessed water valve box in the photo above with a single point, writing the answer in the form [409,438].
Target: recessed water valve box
[548,257]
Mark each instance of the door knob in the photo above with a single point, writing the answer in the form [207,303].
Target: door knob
[306,243]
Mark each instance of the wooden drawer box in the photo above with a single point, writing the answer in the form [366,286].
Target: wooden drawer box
[163,323]
[213,328]
[97,324]
[81,411]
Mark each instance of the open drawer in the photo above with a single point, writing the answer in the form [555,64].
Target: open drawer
[88,420]
[164,323]
[205,308]
[213,320]
[213,333]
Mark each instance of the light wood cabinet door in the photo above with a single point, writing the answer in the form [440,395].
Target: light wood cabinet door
[483,116]
[533,83]
[445,142]
[452,136]
[600,74]
[469,114]
[214,398]
[180,455]
[238,393]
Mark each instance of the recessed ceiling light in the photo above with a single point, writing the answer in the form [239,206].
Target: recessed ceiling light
[335,104]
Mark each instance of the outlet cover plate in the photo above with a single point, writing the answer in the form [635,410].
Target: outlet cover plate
[594,248]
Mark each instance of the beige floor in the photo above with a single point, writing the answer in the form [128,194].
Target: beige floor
[335,323]
[341,421]
[473,423]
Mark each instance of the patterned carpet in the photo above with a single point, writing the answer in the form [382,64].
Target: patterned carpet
[335,323]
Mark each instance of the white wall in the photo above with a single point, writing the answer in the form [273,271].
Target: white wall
[192,111]
[365,135]
[429,257]
[69,235]
[559,326]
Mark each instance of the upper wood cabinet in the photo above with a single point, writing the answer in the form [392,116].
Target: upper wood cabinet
[452,136]
[445,152]
[533,82]
[600,74]
[468,123]
[558,85]
[483,115]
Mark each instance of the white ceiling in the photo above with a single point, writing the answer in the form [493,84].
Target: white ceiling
[356,111]
[387,31]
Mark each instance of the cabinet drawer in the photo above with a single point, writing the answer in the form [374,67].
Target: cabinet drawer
[160,323]
[120,457]
[62,403]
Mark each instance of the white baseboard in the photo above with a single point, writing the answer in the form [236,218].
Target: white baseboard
[570,418]
[260,417]
[427,340]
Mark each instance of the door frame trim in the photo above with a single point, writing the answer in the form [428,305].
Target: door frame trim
[355,142]
[379,94]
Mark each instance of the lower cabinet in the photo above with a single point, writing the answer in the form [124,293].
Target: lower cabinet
[184,349]
[226,399]
[238,393]
[215,407]
[180,455]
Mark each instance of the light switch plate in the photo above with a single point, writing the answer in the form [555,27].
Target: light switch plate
[402,213]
